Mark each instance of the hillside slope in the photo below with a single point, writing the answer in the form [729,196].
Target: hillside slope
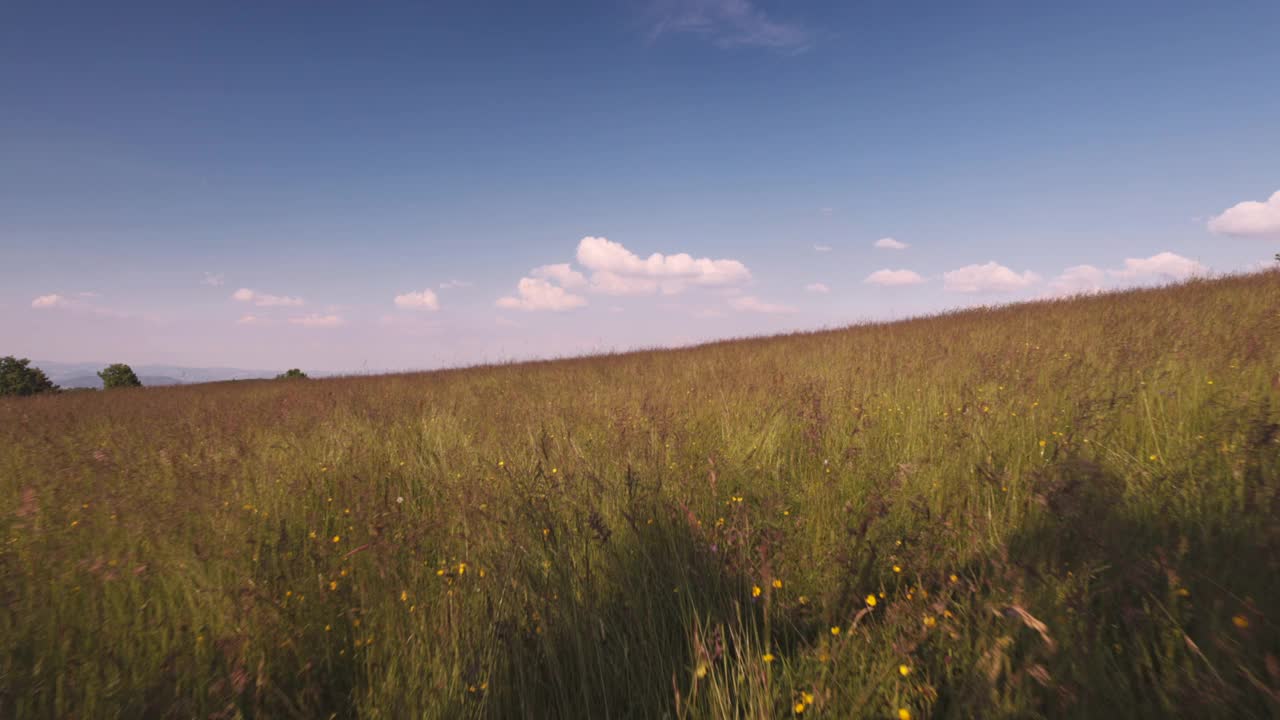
[1062,509]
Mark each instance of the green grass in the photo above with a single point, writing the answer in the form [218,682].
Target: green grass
[1061,509]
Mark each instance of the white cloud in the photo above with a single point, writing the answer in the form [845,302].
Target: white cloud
[451,284]
[424,300]
[1078,279]
[817,288]
[888,243]
[1165,265]
[991,277]
[615,270]
[1250,218]
[728,23]
[249,320]
[538,294]
[749,303]
[608,283]
[894,278]
[50,301]
[1135,271]
[213,279]
[83,302]
[561,274]
[315,320]
[822,248]
[265,300]
[603,255]
[618,271]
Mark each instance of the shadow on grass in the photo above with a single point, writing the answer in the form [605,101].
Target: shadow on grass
[1156,609]
[623,646]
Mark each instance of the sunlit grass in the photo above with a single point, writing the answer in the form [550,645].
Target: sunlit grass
[1066,508]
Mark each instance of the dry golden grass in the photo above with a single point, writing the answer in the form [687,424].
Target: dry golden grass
[1058,509]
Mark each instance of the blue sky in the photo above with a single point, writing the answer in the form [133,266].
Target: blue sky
[340,186]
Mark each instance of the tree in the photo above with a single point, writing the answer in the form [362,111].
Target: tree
[17,378]
[292,374]
[118,375]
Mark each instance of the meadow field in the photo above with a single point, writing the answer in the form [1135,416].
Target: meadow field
[1066,508]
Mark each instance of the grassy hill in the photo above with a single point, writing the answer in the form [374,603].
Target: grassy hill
[1062,509]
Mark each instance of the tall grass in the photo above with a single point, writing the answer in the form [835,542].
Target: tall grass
[1058,509]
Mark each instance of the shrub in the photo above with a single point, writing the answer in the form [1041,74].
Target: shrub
[17,377]
[118,375]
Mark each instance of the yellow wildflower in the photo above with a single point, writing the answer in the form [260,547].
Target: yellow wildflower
[929,621]
[904,670]
[1240,621]
[799,708]
[777,584]
[768,657]
[835,629]
[904,714]
[755,591]
[871,601]
[897,568]
[337,538]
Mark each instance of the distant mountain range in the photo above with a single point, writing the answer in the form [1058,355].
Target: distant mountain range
[84,375]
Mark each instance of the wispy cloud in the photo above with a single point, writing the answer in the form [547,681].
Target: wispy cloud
[451,284]
[894,278]
[817,288]
[750,303]
[1250,218]
[213,279]
[82,302]
[52,300]
[888,243]
[822,248]
[728,24]
[264,299]
[316,320]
